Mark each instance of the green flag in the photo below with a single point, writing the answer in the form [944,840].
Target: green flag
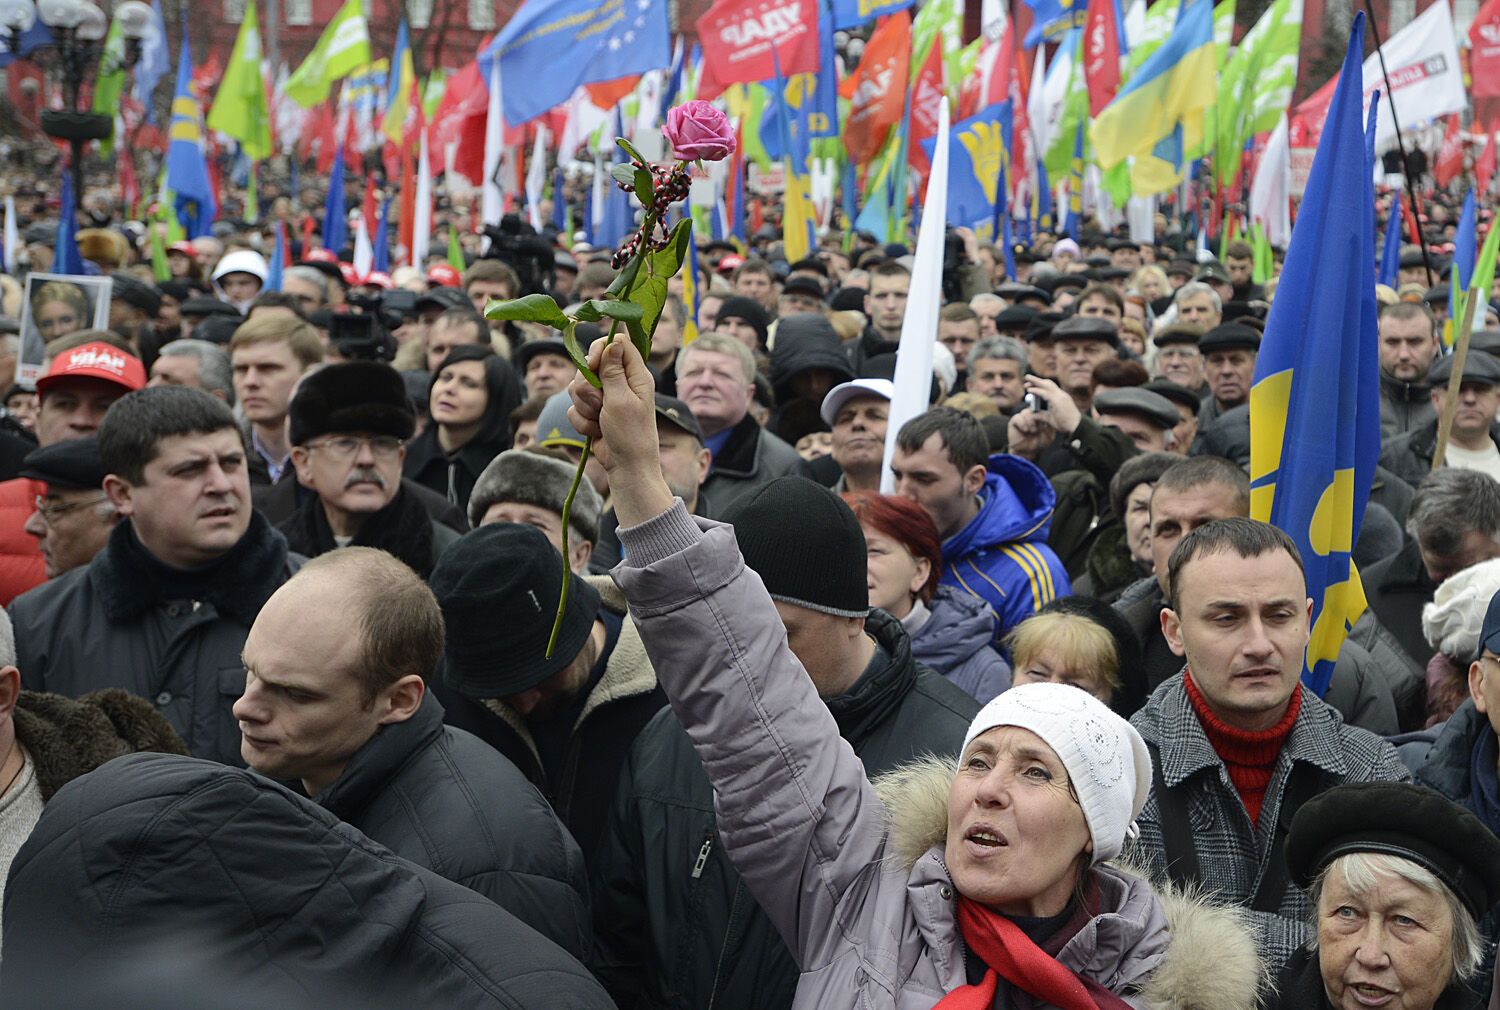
[937,18]
[161,270]
[239,108]
[455,251]
[252,199]
[110,84]
[343,47]
[1061,139]
[1255,85]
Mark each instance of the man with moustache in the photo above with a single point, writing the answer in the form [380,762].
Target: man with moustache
[348,425]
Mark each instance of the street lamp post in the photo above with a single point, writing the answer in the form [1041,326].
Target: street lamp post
[78,29]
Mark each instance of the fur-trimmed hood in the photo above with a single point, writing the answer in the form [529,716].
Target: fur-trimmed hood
[1202,934]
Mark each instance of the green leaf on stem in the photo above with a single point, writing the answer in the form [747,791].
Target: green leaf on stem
[650,290]
[623,174]
[629,149]
[625,278]
[580,358]
[645,189]
[595,309]
[532,309]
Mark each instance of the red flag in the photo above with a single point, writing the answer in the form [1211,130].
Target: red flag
[369,209]
[1484,52]
[607,94]
[1101,54]
[877,90]
[926,96]
[739,37]
[1450,160]
[1484,168]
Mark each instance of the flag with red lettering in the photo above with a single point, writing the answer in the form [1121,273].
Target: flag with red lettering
[877,90]
[1101,54]
[739,38]
[1484,64]
[926,95]
[1450,160]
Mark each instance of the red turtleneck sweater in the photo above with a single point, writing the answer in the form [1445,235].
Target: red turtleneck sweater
[1249,757]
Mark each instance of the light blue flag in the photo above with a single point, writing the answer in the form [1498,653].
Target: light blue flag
[1315,402]
[276,269]
[187,170]
[1390,252]
[853,13]
[380,258]
[1052,19]
[977,163]
[156,61]
[618,220]
[335,216]
[66,259]
[550,48]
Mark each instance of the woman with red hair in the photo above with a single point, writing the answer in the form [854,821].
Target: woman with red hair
[950,631]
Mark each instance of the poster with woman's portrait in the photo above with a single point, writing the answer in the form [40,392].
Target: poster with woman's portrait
[55,306]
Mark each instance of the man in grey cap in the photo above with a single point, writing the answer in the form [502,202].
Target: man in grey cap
[1147,418]
[1083,342]
[544,366]
[74,517]
[1229,351]
[857,413]
[684,463]
[1474,440]
[555,431]
[522,486]
[1215,276]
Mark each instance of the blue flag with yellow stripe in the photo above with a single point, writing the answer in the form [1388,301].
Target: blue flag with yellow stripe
[1315,401]
[187,170]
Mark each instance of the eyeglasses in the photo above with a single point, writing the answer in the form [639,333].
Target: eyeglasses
[347,446]
[50,512]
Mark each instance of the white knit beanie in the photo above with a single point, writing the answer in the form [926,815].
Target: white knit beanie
[1106,758]
[1451,622]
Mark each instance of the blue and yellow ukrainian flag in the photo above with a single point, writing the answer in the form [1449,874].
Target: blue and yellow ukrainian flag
[798,227]
[187,171]
[1159,114]
[1315,403]
[403,79]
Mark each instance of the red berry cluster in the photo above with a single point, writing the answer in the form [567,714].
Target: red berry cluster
[671,185]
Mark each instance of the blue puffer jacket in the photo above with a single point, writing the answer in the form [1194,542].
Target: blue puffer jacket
[1002,556]
[955,642]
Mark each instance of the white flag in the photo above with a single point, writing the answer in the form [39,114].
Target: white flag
[1271,189]
[492,204]
[421,222]
[920,326]
[536,177]
[12,247]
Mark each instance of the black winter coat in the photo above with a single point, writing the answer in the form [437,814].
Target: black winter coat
[444,800]
[674,924]
[168,882]
[1397,589]
[121,622]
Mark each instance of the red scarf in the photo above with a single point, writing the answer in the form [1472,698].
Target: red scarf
[1010,953]
[1249,757]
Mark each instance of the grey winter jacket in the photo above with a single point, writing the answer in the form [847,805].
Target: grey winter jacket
[824,856]
[1233,854]
[749,460]
[955,642]
[1404,406]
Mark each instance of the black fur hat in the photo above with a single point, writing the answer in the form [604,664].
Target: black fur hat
[363,396]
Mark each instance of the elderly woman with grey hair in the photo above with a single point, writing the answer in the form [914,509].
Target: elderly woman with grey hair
[1398,877]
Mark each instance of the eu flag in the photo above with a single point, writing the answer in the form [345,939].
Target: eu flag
[549,48]
[187,170]
[1315,402]
[977,165]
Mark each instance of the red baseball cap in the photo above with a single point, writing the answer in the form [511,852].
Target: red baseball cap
[186,248]
[320,256]
[444,275]
[95,361]
[351,279]
[379,279]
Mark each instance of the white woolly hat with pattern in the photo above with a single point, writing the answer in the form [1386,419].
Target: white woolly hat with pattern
[1106,758]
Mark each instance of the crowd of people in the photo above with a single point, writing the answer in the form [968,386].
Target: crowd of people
[283,712]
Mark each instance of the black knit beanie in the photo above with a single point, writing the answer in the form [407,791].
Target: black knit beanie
[806,546]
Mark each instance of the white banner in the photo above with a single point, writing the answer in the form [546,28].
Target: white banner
[1271,189]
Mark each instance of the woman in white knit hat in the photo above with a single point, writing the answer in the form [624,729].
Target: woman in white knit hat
[979,883]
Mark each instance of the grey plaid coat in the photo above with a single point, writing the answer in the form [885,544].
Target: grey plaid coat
[1233,853]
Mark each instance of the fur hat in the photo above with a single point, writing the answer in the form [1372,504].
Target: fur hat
[531,478]
[106,248]
[351,396]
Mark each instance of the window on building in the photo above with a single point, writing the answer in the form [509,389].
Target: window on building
[482,14]
[419,12]
[299,12]
[234,11]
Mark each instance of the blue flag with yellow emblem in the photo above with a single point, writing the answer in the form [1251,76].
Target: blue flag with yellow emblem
[1052,19]
[1315,402]
[854,13]
[187,170]
[978,160]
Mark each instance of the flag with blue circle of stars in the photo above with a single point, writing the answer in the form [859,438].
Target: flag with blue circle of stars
[551,47]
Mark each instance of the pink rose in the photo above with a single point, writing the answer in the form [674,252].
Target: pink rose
[698,131]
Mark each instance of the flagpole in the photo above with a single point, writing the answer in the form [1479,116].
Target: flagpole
[1411,183]
[1455,382]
